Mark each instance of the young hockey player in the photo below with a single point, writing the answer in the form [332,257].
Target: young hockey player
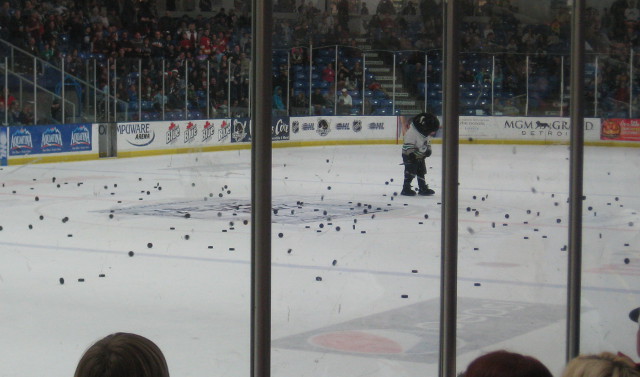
[417,147]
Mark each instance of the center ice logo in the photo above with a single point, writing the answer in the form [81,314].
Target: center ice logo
[21,141]
[173,133]
[51,139]
[191,132]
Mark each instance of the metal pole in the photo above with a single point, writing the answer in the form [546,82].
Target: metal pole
[228,88]
[6,92]
[108,93]
[561,85]
[115,90]
[630,82]
[393,95]
[493,81]
[426,80]
[35,92]
[310,77]
[364,80]
[526,76]
[62,91]
[450,162]
[262,19]
[288,82]
[576,181]
[139,90]
[208,88]
[186,89]
[95,92]
[335,83]
[163,89]
[595,94]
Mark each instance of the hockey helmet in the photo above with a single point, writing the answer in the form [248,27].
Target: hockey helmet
[426,123]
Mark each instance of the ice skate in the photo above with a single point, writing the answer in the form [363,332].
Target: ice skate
[407,191]
[425,190]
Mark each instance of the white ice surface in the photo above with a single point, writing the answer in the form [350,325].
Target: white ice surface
[189,292]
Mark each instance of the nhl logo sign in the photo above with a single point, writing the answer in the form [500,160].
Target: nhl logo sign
[295,126]
[357,125]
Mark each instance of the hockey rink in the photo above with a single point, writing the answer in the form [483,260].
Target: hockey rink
[160,246]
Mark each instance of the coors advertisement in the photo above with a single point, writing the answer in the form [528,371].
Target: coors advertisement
[280,129]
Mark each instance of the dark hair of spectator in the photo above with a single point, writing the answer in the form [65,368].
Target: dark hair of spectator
[506,364]
[123,355]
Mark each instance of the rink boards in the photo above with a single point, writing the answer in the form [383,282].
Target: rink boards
[73,142]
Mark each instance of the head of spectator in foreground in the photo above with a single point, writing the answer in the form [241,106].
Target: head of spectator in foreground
[605,364]
[634,314]
[506,364]
[123,355]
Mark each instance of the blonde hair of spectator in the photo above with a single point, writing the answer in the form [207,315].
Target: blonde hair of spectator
[604,364]
[123,355]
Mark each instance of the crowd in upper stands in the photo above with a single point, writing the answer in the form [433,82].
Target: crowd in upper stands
[215,46]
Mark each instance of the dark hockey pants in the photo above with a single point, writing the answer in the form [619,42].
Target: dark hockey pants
[414,168]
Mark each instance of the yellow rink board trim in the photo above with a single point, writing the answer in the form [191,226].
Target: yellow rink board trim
[44,159]
[41,159]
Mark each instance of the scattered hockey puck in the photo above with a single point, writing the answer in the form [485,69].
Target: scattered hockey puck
[149,245]
[626,261]
[41,217]
[80,280]
[186,237]
[37,198]
[245,222]
[131,253]
[210,247]
[476,284]
[61,280]
[558,221]
[426,216]
[69,235]
[65,219]
[289,251]
[280,235]
[30,226]
[111,215]
[404,296]
[187,215]
[328,187]
[414,271]
[101,275]
[337,229]
[334,262]
[506,216]
[318,278]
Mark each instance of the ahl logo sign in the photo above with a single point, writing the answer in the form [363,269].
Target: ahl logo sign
[173,133]
[51,139]
[190,133]
[324,127]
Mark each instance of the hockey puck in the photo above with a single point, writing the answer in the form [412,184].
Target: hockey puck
[280,235]
[404,296]
[626,261]
[61,280]
[318,278]
[149,245]
[131,253]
